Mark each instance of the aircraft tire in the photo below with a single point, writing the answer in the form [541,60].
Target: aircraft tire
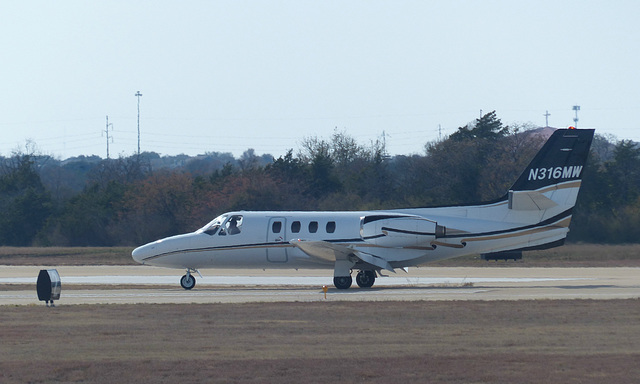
[342,282]
[365,279]
[188,282]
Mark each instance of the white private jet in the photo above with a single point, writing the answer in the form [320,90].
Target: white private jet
[534,214]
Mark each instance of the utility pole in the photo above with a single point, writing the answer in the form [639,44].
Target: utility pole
[575,119]
[546,115]
[384,145]
[107,134]
[138,95]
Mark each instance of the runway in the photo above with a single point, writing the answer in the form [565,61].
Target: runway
[143,284]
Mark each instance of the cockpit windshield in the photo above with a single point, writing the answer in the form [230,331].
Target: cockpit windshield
[212,227]
[232,226]
[223,225]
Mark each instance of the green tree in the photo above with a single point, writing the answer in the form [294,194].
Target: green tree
[24,202]
[458,166]
[452,171]
[625,172]
[487,127]
[89,218]
[291,174]
[92,217]
[608,208]
[161,205]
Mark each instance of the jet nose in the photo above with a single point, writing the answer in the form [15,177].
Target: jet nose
[163,252]
[142,252]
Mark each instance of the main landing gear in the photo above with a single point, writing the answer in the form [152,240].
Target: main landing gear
[188,281]
[364,279]
[342,282]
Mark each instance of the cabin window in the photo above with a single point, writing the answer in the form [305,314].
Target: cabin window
[276,227]
[295,227]
[233,226]
[331,227]
[313,227]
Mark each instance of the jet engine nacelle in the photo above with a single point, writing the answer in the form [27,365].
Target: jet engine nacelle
[399,231]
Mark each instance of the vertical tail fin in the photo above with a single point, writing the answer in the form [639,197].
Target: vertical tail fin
[546,192]
[554,176]
[561,159]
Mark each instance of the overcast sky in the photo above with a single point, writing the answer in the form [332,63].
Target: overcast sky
[230,75]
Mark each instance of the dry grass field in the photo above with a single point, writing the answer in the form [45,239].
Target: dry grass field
[569,255]
[541,341]
[66,256]
[547,341]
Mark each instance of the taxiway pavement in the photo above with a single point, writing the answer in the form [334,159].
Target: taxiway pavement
[143,284]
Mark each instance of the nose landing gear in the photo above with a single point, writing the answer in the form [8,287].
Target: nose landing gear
[188,281]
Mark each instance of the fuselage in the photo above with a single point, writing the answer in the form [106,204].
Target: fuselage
[264,239]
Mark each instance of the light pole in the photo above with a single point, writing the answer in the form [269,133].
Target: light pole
[138,95]
[575,119]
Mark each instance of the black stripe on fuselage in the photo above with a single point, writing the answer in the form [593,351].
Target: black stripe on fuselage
[408,232]
[242,246]
[371,218]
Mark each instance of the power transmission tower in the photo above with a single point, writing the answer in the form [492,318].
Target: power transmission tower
[138,95]
[107,134]
[384,145]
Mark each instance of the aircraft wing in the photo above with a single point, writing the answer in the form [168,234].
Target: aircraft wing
[331,252]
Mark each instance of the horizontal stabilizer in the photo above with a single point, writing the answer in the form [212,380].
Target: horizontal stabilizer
[529,201]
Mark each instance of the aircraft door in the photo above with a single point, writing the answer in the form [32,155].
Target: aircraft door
[277,239]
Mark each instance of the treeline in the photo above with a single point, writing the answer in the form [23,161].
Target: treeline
[130,201]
